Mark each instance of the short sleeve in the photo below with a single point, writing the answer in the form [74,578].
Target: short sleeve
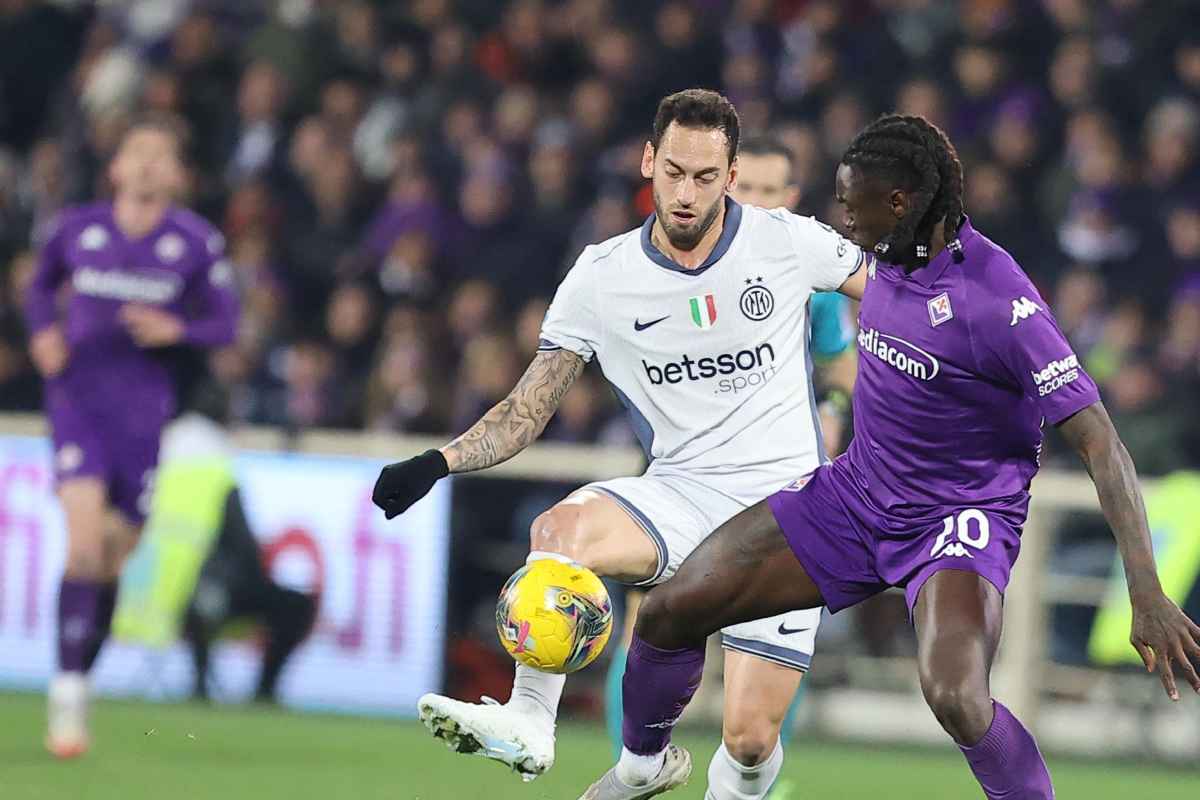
[832,327]
[830,257]
[1023,342]
[571,322]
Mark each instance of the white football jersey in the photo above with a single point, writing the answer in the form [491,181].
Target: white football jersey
[712,363]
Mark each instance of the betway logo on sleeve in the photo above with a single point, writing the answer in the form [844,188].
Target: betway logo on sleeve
[904,356]
[1057,374]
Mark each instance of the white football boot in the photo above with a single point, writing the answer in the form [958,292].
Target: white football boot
[67,708]
[677,768]
[489,729]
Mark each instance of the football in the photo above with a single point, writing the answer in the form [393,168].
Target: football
[554,616]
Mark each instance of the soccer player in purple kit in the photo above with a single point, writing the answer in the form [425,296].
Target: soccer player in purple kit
[960,364]
[119,287]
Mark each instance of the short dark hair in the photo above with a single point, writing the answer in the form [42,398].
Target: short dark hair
[698,108]
[164,122]
[913,154]
[764,145]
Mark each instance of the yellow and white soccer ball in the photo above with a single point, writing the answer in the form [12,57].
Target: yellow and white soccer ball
[554,616]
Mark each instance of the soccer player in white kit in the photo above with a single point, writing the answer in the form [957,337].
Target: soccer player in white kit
[699,320]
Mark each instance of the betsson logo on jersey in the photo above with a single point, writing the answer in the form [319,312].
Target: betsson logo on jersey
[1057,374]
[905,356]
[758,366]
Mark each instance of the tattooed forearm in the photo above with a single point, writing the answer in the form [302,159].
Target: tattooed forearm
[513,423]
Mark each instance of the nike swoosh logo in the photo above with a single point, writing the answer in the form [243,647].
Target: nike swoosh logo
[785,631]
[641,326]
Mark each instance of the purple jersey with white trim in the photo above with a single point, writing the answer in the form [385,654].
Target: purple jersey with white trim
[959,365]
[178,267]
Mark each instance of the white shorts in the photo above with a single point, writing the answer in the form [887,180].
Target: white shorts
[678,513]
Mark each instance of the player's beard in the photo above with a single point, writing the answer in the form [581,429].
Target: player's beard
[686,238]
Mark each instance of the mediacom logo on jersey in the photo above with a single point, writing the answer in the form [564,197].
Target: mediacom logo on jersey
[905,356]
[759,363]
[1057,374]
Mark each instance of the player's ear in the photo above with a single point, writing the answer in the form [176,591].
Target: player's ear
[899,203]
[791,196]
[731,178]
[648,161]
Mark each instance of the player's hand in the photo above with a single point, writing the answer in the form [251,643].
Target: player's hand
[48,349]
[151,327]
[1163,635]
[404,483]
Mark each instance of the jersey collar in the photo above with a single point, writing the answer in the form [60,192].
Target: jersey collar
[928,274]
[733,220]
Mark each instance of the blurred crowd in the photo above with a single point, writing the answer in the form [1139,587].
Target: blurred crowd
[402,184]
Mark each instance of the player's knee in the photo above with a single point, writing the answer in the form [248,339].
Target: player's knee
[963,708]
[560,530]
[750,740]
[663,619]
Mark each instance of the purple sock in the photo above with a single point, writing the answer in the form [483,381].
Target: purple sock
[657,687]
[84,613]
[106,603]
[1007,762]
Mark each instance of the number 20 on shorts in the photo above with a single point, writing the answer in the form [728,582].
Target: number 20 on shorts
[972,529]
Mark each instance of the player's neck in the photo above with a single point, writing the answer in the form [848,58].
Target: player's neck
[135,216]
[689,259]
[937,239]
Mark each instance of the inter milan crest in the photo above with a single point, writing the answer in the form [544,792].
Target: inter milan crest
[939,310]
[756,302]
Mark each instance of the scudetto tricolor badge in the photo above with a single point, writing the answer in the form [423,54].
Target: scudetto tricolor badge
[704,310]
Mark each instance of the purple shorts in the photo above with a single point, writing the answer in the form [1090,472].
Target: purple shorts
[852,551]
[120,449]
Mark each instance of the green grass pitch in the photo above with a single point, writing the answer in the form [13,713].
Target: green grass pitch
[185,752]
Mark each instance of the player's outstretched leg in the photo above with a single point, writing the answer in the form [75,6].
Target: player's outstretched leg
[591,529]
[958,618]
[744,571]
[86,599]
[758,694]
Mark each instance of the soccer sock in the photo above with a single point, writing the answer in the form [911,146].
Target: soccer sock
[612,696]
[1007,762]
[537,693]
[729,779]
[106,603]
[658,685]
[79,606]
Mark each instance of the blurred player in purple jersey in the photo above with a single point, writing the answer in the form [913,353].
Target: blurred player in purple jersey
[120,288]
[960,364]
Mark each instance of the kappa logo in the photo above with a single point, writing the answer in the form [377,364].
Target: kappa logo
[666,724]
[69,458]
[94,237]
[1024,308]
[169,247]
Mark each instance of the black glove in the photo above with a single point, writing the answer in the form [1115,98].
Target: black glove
[405,482]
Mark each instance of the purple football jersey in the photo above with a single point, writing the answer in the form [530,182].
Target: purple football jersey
[108,406]
[959,366]
[178,267]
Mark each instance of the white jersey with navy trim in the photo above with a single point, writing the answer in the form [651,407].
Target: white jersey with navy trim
[712,362]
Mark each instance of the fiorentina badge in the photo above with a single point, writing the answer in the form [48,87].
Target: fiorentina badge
[939,310]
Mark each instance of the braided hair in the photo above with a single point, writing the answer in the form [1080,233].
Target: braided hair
[917,156]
